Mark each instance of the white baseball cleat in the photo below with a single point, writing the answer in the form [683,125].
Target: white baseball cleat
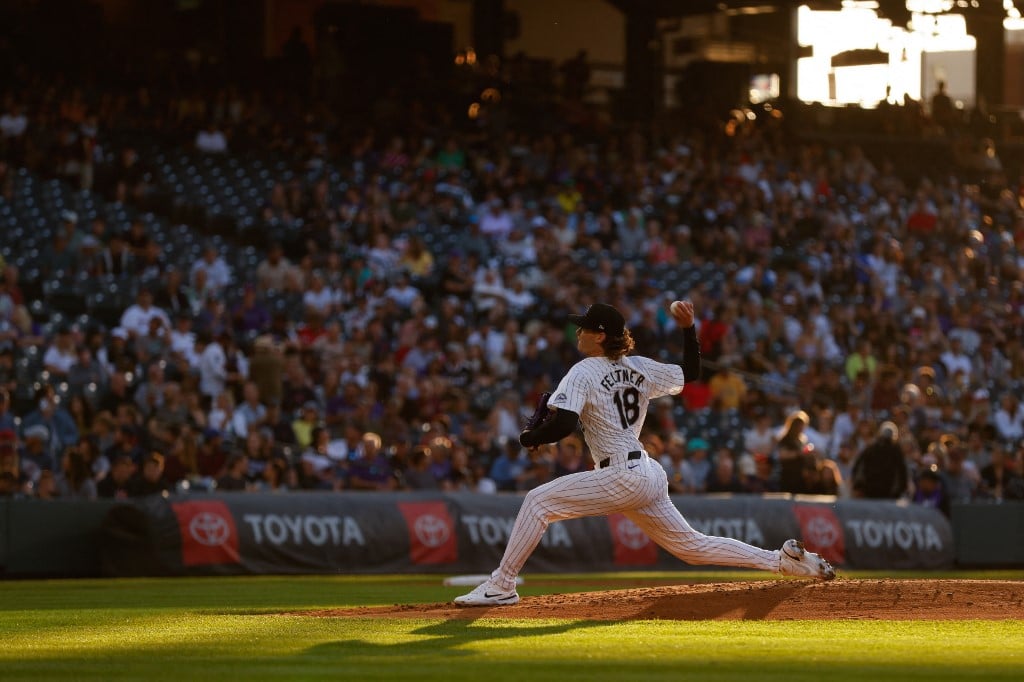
[797,561]
[489,594]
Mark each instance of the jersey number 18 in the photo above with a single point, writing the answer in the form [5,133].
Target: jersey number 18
[628,402]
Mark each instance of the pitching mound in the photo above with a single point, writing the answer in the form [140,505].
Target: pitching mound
[764,600]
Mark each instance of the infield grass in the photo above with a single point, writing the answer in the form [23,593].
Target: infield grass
[231,629]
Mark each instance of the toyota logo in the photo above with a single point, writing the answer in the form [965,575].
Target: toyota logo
[209,529]
[431,531]
[821,532]
[630,535]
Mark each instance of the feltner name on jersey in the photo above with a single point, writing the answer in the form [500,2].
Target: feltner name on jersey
[621,375]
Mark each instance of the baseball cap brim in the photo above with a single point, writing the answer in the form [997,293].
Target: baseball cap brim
[582,321]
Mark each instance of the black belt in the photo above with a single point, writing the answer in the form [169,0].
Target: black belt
[636,454]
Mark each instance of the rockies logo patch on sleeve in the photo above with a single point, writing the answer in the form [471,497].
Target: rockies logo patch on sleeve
[560,398]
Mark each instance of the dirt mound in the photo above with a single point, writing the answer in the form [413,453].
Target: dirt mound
[763,600]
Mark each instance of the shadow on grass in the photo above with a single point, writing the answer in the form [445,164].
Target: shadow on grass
[444,638]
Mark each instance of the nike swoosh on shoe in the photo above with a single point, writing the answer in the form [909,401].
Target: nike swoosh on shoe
[499,595]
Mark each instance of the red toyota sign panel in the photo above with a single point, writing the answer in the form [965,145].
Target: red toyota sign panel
[631,545]
[821,532]
[431,532]
[208,534]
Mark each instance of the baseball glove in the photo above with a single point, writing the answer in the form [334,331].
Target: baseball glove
[541,414]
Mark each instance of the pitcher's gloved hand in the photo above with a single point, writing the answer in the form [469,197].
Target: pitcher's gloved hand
[541,414]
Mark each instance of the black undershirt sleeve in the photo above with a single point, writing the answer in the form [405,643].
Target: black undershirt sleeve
[691,355]
[555,429]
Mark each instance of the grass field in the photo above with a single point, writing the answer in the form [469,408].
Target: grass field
[231,629]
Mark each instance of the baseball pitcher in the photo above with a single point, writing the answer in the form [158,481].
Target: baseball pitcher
[608,392]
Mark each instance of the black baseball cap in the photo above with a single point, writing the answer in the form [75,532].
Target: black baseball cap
[601,317]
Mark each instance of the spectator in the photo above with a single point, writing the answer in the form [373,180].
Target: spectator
[118,483]
[417,476]
[136,318]
[61,259]
[417,260]
[149,395]
[234,478]
[7,421]
[275,272]
[173,296]
[509,465]
[822,434]
[962,477]
[402,292]
[46,486]
[929,491]
[213,372]
[61,355]
[955,359]
[217,274]
[942,110]
[266,369]
[222,416]
[677,469]
[879,471]
[125,442]
[792,450]
[118,393]
[182,342]
[763,478]
[113,259]
[728,389]
[250,316]
[36,455]
[723,477]
[60,427]
[698,465]
[150,481]
[87,374]
[862,360]
[371,469]
[569,458]
[251,415]
[999,478]
[306,422]
[212,454]
[1009,419]
[319,468]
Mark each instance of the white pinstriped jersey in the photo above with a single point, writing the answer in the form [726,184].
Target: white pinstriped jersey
[611,398]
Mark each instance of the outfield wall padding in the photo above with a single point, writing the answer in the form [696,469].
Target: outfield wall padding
[454,533]
[466,533]
[51,538]
[989,535]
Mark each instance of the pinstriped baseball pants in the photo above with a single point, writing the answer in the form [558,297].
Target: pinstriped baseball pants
[641,495]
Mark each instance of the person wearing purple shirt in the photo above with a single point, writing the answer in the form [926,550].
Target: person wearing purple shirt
[371,470]
[250,315]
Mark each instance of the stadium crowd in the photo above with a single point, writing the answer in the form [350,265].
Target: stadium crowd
[861,327]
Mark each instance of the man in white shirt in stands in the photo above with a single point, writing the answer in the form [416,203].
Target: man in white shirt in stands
[136,318]
[955,358]
[61,355]
[213,371]
[218,274]
[495,222]
[183,339]
[251,413]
